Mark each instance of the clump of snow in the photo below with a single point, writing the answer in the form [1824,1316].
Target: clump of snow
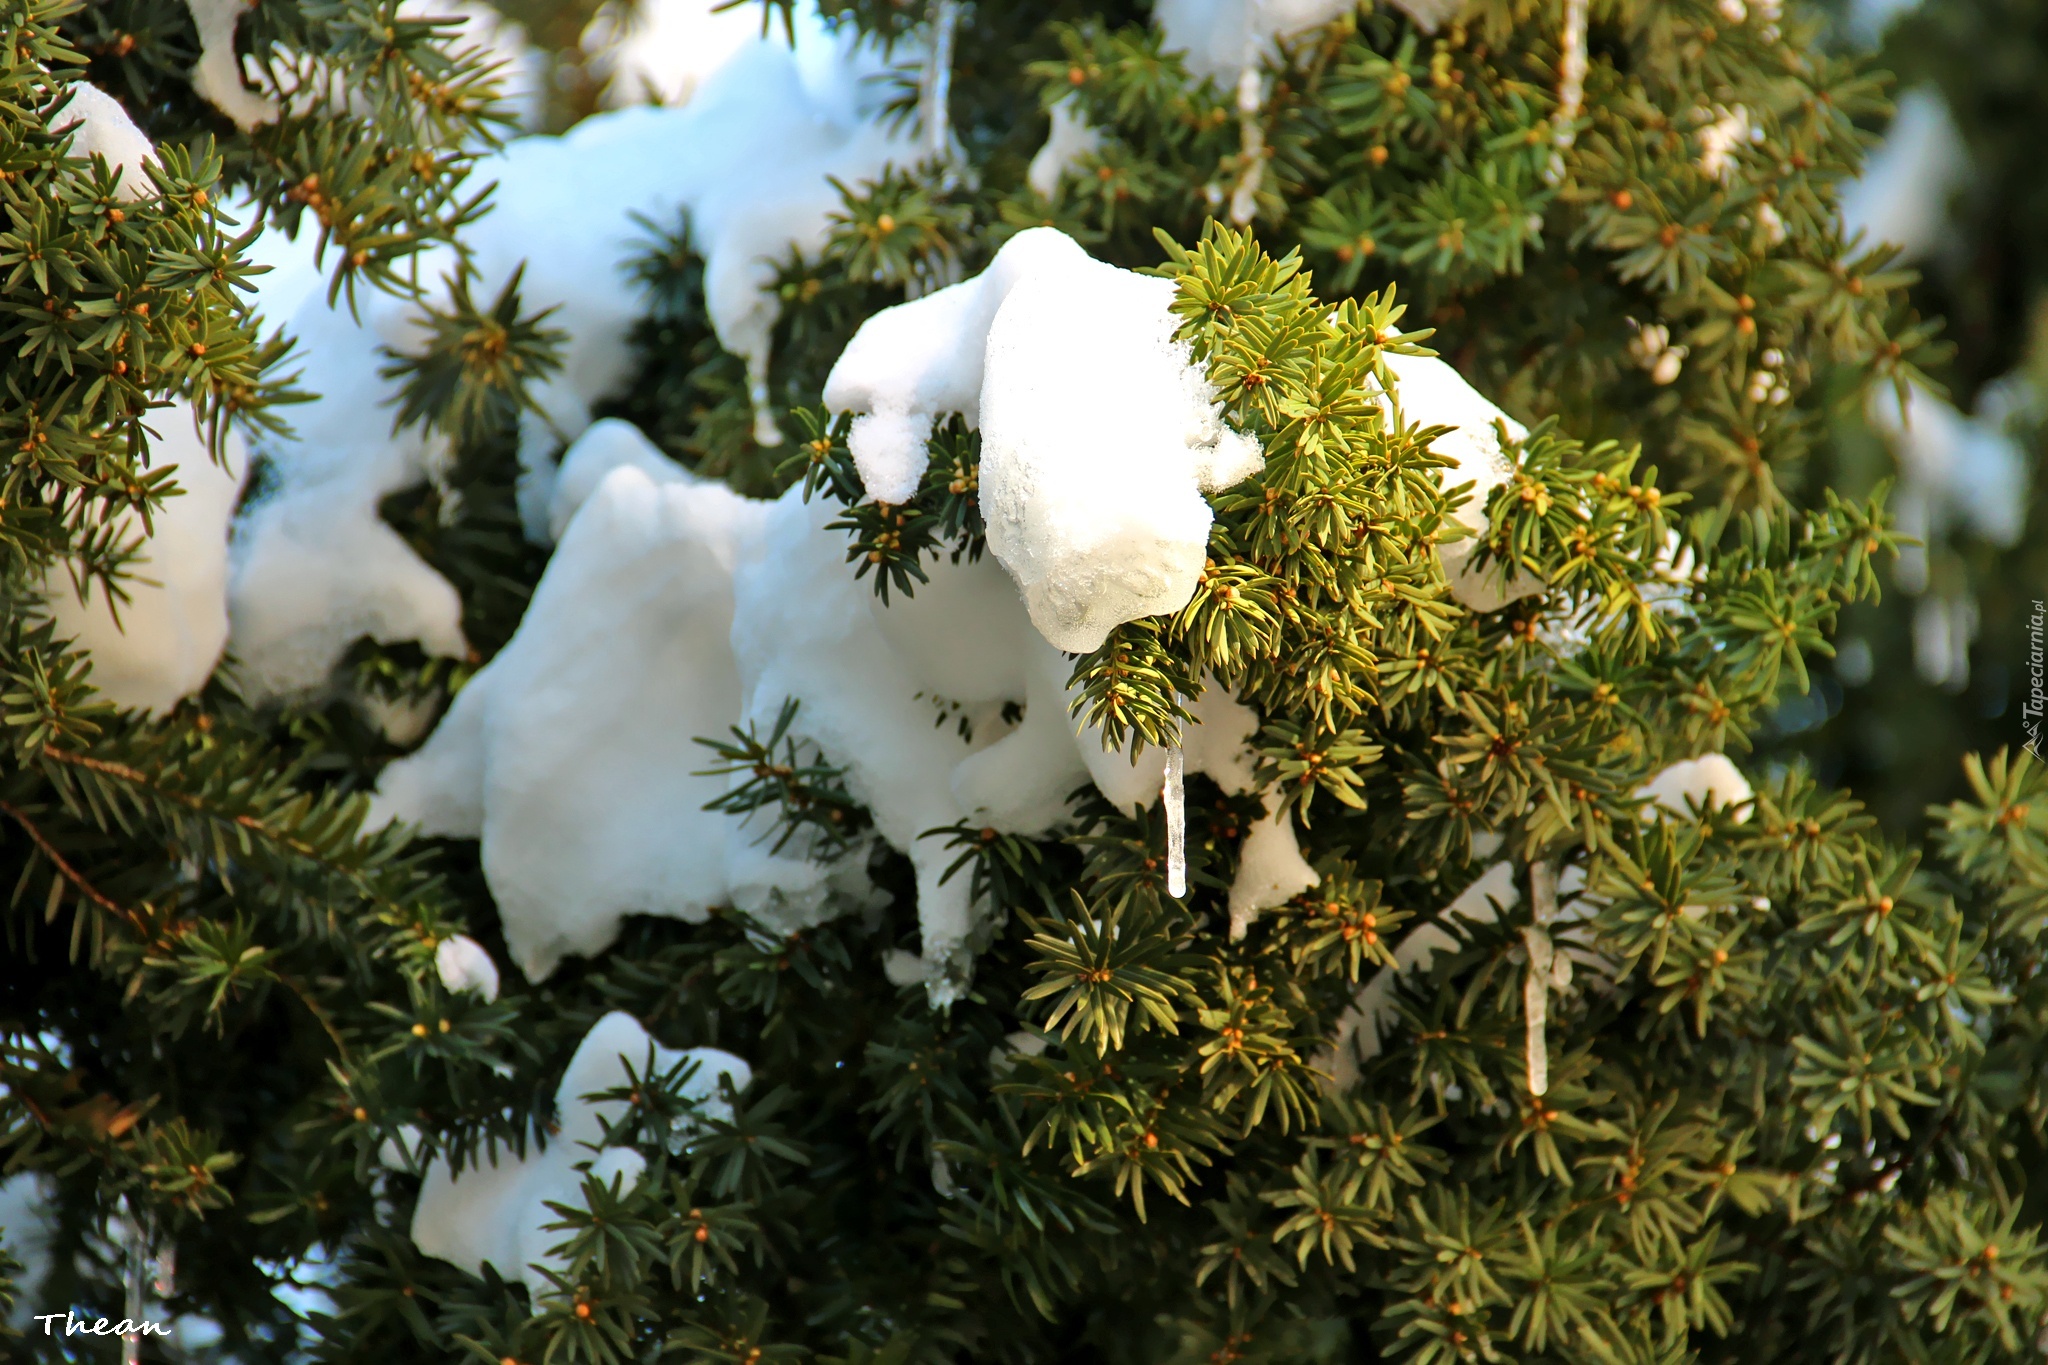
[675,609]
[661,51]
[99,126]
[1902,196]
[909,365]
[161,644]
[463,965]
[1099,437]
[608,444]
[1071,138]
[1699,783]
[1099,433]
[572,755]
[1270,868]
[1429,393]
[752,160]
[496,1211]
[1222,38]
[218,76]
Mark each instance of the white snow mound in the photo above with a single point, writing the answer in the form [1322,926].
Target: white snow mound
[496,1211]
[675,609]
[751,160]
[161,645]
[571,755]
[1099,434]
[909,365]
[1099,437]
[100,126]
[1221,38]
[1430,393]
[1709,780]
[1070,138]
[463,965]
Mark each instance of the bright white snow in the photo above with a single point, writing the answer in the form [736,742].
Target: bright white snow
[1070,138]
[1902,196]
[1099,437]
[1099,434]
[1222,38]
[571,754]
[161,644]
[218,76]
[1270,869]
[497,1210]
[1430,393]
[1700,783]
[661,51]
[675,609]
[463,965]
[910,365]
[100,126]
[751,159]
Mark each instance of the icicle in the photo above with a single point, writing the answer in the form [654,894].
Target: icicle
[1571,84]
[1251,97]
[766,433]
[136,1255]
[1547,969]
[1536,1006]
[1176,808]
[935,82]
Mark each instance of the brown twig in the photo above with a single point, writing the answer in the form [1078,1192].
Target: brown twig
[70,873]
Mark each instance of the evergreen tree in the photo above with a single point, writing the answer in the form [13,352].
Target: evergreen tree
[1882,727]
[1475,1006]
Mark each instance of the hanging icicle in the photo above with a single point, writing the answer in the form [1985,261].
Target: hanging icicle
[1251,155]
[1536,1006]
[1571,84]
[1174,800]
[766,433]
[935,82]
[135,1258]
[1548,970]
